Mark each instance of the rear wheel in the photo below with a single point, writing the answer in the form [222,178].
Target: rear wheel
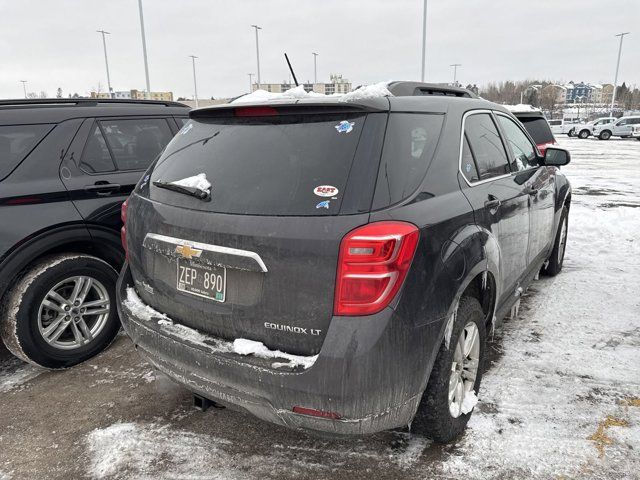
[583,134]
[62,311]
[572,132]
[448,400]
[605,135]
[556,260]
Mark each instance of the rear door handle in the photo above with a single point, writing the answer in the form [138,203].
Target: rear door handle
[102,188]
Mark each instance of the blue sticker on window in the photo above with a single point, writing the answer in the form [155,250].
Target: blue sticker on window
[323,204]
[344,126]
[468,167]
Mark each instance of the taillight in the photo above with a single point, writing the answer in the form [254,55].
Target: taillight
[123,229]
[372,265]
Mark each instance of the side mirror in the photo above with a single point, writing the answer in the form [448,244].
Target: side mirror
[556,157]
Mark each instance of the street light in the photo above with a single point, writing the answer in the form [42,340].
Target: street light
[257,51]
[144,50]
[250,82]
[106,60]
[195,85]
[24,87]
[315,67]
[424,38]
[615,81]
[455,70]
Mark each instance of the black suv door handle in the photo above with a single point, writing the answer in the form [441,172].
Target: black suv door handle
[102,188]
[493,203]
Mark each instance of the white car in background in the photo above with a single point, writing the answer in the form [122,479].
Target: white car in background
[586,130]
[564,126]
[623,128]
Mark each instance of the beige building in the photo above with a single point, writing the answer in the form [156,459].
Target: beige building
[336,84]
[135,95]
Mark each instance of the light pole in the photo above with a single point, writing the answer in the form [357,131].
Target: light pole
[455,71]
[615,81]
[257,51]
[195,85]
[144,50]
[315,67]
[424,38]
[250,82]
[24,87]
[106,60]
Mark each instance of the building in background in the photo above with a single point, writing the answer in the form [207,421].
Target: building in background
[337,84]
[135,95]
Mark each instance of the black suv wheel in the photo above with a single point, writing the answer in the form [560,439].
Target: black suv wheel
[62,311]
[448,400]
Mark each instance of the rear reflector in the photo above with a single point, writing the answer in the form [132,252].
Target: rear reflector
[255,112]
[316,413]
[373,263]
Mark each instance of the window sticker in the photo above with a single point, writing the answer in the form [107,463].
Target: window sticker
[344,126]
[323,204]
[325,191]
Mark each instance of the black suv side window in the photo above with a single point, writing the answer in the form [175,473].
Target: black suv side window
[469,167]
[136,143]
[486,146]
[96,157]
[16,142]
[524,152]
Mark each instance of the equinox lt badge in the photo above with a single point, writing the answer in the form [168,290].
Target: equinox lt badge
[289,328]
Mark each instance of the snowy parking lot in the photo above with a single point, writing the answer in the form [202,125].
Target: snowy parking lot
[560,399]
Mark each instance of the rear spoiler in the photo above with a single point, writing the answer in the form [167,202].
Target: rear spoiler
[271,109]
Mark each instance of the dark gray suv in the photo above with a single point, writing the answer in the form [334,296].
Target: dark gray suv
[335,265]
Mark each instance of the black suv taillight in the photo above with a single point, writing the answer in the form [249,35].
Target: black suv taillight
[373,263]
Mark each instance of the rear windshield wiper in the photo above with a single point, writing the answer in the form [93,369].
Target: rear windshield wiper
[191,191]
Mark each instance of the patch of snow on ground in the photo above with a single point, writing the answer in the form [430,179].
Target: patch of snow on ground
[15,372]
[240,346]
[198,181]
[469,401]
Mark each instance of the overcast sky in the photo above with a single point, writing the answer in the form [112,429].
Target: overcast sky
[53,43]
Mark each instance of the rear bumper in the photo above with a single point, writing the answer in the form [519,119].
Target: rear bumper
[371,371]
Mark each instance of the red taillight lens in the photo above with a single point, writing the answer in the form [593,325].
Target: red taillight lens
[373,263]
[123,229]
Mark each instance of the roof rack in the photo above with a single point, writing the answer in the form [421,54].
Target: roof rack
[416,89]
[84,102]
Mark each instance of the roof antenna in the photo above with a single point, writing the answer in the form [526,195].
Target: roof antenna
[291,70]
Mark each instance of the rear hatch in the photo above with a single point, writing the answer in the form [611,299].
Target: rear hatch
[258,258]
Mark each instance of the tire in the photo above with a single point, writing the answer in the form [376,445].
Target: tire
[434,417]
[556,259]
[571,133]
[605,135]
[44,295]
[584,134]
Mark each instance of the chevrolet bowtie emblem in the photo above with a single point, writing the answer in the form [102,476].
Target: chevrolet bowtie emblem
[188,252]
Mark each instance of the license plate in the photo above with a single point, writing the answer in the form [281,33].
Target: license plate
[202,280]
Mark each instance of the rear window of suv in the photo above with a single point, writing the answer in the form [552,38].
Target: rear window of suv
[273,165]
[16,142]
[538,128]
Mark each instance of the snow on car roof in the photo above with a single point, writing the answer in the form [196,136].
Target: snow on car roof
[376,90]
[521,107]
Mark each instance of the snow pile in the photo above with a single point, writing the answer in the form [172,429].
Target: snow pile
[295,93]
[240,346]
[198,181]
[376,90]
[469,401]
[521,107]
[132,450]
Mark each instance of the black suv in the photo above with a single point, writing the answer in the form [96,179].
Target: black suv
[66,166]
[335,264]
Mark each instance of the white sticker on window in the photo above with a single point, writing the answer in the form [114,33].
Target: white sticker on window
[325,191]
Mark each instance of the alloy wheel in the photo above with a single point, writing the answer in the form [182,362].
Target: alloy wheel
[73,312]
[464,368]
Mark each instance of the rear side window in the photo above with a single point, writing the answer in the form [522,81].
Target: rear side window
[288,164]
[409,145]
[16,142]
[486,146]
[96,157]
[469,167]
[136,143]
[538,128]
